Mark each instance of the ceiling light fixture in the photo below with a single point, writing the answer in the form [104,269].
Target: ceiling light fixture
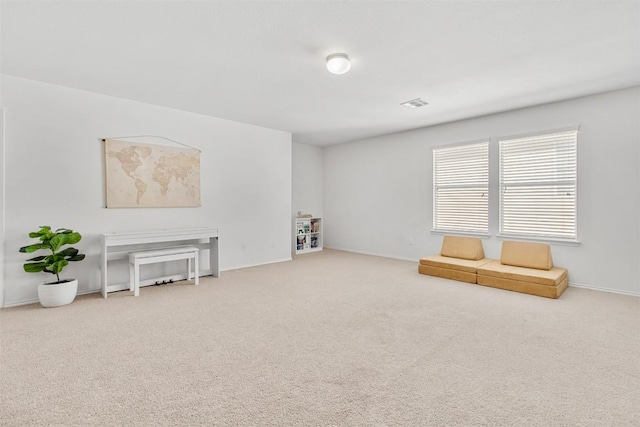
[338,63]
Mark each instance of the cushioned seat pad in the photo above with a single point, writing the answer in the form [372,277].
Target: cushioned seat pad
[450,263]
[447,273]
[524,287]
[551,277]
[545,283]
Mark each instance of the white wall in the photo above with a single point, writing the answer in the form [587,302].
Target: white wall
[378,192]
[307,179]
[2,181]
[54,176]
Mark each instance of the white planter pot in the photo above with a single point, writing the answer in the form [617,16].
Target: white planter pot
[55,295]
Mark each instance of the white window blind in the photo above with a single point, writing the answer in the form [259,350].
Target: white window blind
[461,188]
[538,186]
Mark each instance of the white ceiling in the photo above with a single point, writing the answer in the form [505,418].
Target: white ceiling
[263,62]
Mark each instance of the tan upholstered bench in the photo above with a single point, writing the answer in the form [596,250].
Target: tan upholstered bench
[525,267]
[458,260]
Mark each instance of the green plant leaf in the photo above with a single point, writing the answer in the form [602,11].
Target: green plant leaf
[38,258]
[34,247]
[56,242]
[76,258]
[57,266]
[64,239]
[35,267]
[72,238]
[68,252]
[44,230]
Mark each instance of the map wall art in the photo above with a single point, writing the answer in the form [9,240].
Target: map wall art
[151,176]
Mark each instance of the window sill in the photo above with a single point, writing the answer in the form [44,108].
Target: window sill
[461,233]
[541,239]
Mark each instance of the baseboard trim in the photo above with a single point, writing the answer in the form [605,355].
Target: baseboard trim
[372,254]
[239,267]
[601,289]
[37,301]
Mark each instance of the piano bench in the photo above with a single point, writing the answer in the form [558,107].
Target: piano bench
[136,259]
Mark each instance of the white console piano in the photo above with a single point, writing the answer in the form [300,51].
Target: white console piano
[117,246]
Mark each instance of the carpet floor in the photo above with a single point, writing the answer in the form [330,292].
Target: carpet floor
[329,339]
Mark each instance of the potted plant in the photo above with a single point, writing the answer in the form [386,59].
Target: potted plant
[60,292]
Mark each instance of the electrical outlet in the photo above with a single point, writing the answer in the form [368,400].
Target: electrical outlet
[243,246]
[410,241]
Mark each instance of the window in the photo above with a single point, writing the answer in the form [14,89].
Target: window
[461,188]
[538,186]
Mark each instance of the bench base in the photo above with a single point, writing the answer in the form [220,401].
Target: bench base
[549,283]
[524,287]
[445,273]
[464,270]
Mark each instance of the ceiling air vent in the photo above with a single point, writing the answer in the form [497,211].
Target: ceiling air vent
[415,103]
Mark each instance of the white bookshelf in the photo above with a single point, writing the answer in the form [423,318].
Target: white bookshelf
[308,235]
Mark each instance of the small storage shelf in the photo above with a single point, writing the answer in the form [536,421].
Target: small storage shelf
[308,235]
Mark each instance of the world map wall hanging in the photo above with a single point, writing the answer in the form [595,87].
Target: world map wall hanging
[141,175]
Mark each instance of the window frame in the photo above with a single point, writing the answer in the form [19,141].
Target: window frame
[436,185]
[540,236]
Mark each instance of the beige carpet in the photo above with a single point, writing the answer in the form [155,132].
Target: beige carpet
[329,339]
